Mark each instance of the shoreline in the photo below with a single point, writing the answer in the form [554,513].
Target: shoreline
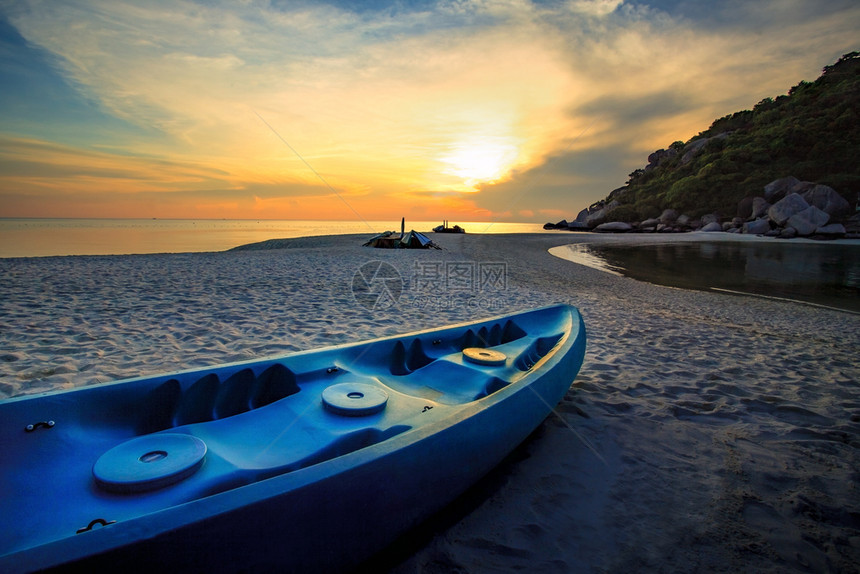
[804,272]
[705,431]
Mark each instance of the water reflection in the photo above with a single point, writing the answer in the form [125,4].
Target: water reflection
[825,274]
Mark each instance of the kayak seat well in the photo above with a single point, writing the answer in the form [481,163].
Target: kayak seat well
[346,444]
[536,351]
[432,367]
[493,385]
[406,360]
[448,383]
[173,404]
[404,357]
[496,335]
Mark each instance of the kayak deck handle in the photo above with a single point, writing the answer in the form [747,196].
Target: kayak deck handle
[32,427]
[89,526]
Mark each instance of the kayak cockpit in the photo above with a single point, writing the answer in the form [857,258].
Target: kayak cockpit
[440,366]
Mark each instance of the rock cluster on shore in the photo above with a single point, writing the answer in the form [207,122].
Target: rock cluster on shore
[787,208]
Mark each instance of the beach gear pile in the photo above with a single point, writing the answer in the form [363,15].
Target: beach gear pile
[411,240]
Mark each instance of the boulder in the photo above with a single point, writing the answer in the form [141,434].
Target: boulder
[596,218]
[779,188]
[683,220]
[808,220]
[668,216]
[728,225]
[710,218]
[659,157]
[693,148]
[759,207]
[745,207]
[783,209]
[832,230]
[827,200]
[757,227]
[802,187]
[712,226]
[613,227]
[652,222]
[787,233]
[560,225]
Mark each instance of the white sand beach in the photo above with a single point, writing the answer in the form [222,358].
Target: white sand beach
[706,432]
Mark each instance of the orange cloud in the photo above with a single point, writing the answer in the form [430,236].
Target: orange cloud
[462,111]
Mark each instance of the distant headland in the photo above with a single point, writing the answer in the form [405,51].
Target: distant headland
[787,168]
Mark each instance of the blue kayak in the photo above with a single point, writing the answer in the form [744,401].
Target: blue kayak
[307,462]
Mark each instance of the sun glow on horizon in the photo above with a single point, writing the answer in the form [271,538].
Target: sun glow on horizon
[481,160]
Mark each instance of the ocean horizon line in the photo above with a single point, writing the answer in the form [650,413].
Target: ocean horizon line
[96,218]
[48,237]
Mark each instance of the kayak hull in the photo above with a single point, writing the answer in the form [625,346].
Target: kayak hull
[291,484]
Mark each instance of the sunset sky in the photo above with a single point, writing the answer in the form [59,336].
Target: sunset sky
[469,110]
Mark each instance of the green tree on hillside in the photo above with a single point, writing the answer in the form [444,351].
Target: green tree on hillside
[812,133]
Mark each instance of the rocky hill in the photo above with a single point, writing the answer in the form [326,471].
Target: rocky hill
[812,135]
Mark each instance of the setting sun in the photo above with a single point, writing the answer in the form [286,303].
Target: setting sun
[481,160]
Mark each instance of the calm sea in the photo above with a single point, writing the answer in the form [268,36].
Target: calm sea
[822,273]
[46,237]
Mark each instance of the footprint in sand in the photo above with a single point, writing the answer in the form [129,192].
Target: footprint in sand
[783,537]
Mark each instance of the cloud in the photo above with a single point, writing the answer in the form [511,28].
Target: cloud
[653,78]
[594,7]
[32,160]
[66,181]
[563,185]
[334,84]
[395,99]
